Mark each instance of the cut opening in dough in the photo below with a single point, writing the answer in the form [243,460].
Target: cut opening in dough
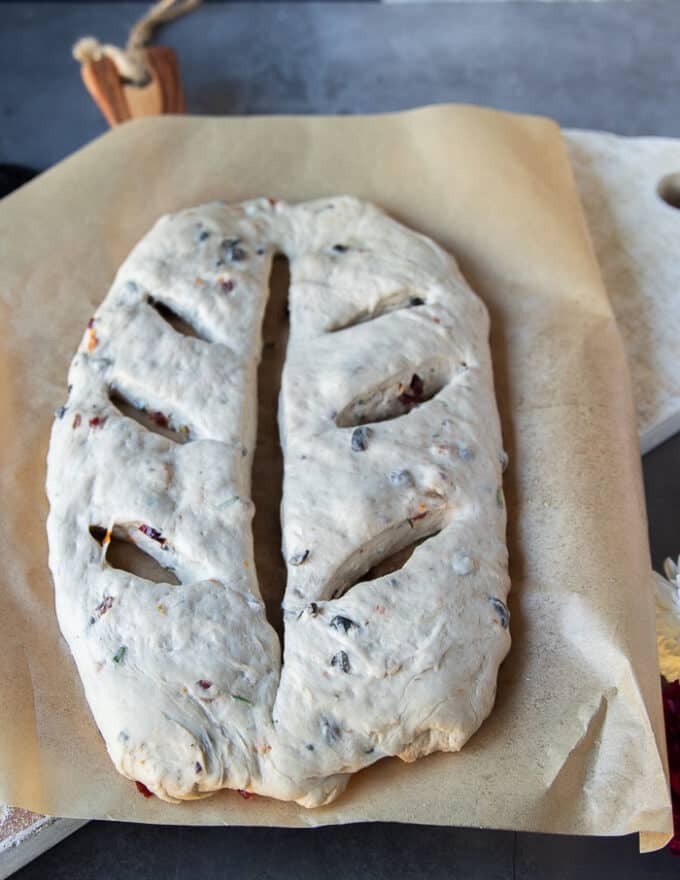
[152,420]
[267,473]
[397,396]
[372,561]
[395,561]
[406,298]
[177,322]
[120,552]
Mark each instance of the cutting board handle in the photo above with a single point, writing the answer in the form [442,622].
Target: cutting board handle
[138,80]
[120,100]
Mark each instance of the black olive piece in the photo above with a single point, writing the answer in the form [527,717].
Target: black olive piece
[340,248]
[232,250]
[342,660]
[329,730]
[416,301]
[343,623]
[502,610]
[402,478]
[359,439]
[299,557]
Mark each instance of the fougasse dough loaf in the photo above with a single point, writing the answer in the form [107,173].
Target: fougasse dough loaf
[391,442]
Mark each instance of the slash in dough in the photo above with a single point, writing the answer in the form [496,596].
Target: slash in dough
[391,439]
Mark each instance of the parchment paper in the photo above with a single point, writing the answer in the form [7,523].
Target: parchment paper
[575,743]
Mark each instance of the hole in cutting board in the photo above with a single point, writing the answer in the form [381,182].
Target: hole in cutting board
[669,190]
[267,474]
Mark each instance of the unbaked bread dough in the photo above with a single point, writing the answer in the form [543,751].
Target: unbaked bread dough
[391,441]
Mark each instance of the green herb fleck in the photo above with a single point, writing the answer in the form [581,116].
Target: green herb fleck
[120,654]
[242,699]
[499,497]
[410,522]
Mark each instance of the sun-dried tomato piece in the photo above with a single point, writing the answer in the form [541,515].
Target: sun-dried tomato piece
[412,395]
[152,533]
[160,419]
[104,606]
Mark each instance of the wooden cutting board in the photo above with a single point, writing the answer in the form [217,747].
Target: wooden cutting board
[24,836]
[630,191]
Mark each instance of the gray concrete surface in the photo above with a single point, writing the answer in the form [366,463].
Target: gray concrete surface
[607,65]
[113,851]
